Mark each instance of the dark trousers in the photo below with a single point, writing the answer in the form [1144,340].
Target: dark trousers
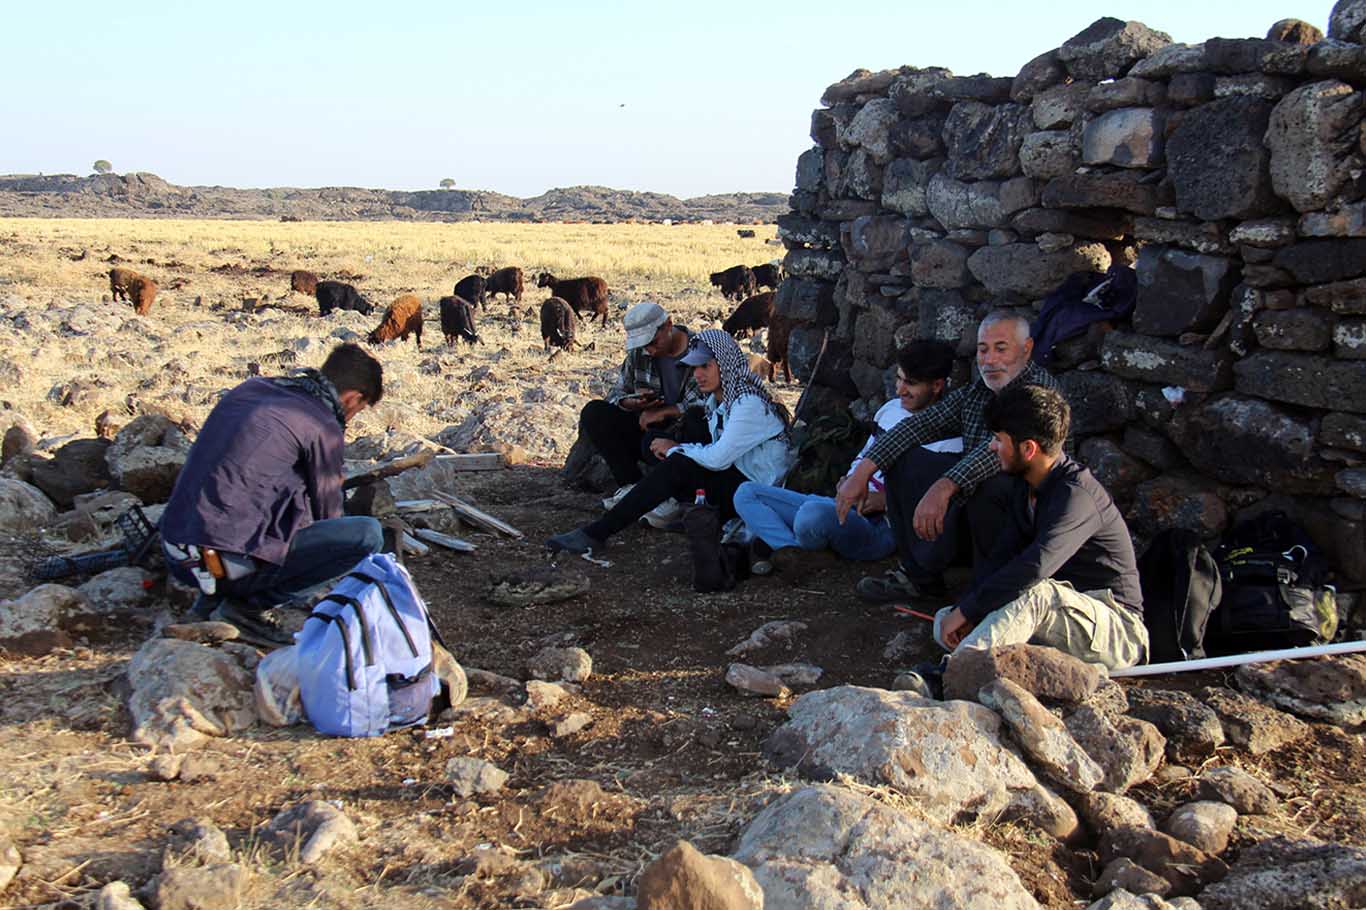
[679,477]
[617,436]
[981,517]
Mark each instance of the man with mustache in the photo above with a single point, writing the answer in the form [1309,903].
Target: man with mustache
[929,494]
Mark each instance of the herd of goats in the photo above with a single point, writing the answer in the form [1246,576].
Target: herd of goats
[569,300]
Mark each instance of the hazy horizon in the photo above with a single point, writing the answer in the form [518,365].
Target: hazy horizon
[713,101]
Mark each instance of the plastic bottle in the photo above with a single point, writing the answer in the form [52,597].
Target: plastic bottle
[700,497]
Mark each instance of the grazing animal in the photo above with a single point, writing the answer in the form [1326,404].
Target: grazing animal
[736,282]
[457,320]
[760,366]
[745,233]
[403,318]
[472,288]
[506,281]
[767,275]
[753,314]
[557,323]
[337,295]
[138,289]
[119,281]
[779,327]
[583,294]
[303,282]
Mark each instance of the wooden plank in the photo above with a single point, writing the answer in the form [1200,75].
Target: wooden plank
[445,540]
[419,505]
[389,468]
[412,545]
[477,516]
[472,461]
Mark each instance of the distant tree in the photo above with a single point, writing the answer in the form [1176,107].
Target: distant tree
[447,184]
[102,166]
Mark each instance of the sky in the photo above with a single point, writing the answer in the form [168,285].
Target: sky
[680,98]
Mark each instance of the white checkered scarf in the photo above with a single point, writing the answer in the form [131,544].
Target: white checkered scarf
[736,378]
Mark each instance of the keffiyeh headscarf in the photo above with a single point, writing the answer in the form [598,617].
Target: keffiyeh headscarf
[314,383]
[736,378]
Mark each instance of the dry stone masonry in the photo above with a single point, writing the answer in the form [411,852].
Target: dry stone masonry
[1228,174]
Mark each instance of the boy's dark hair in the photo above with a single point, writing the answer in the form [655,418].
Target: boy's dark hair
[925,361]
[350,368]
[1031,412]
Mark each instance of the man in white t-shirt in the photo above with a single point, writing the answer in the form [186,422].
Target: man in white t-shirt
[782,518]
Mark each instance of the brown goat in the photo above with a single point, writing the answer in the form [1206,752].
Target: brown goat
[557,324]
[583,294]
[126,284]
[779,328]
[403,317]
[506,281]
[303,282]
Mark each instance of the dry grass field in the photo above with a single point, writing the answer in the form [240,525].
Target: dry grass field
[198,338]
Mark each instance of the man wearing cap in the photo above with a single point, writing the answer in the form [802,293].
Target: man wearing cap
[654,389]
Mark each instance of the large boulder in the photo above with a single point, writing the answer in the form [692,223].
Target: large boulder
[683,878]
[983,140]
[875,243]
[1128,754]
[904,185]
[1108,48]
[947,756]
[38,621]
[146,457]
[1181,292]
[23,507]
[1191,728]
[184,692]
[1347,21]
[827,847]
[1043,736]
[1326,688]
[1303,379]
[1280,873]
[1218,162]
[75,468]
[1221,432]
[1023,268]
[871,129]
[1252,724]
[1047,673]
[1312,136]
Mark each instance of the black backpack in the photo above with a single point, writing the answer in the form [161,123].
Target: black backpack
[716,566]
[1181,589]
[1276,593]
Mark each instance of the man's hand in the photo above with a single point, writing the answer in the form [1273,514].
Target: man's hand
[929,514]
[853,490]
[875,503]
[651,416]
[661,447]
[633,403]
[955,628]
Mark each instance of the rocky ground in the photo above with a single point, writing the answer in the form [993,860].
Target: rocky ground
[601,728]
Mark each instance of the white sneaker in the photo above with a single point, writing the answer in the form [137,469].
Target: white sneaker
[617,497]
[664,514]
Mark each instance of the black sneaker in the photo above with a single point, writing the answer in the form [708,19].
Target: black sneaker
[895,586]
[263,628]
[576,541]
[926,680]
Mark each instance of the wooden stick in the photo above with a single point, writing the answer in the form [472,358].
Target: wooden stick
[389,468]
[445,540]
[477,516]
[472,461]
[412,545]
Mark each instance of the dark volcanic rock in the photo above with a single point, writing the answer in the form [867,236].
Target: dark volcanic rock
[1218,162]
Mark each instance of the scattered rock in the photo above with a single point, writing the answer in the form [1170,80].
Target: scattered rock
[1123,873]
[1325,688]
[44,609]
[1280,872]
[1251,724]
[538,585]
[753,681]
[146,457]
[1190,727]
[216,887]
[1046,673]
[183,692]
[197,841]
[767,634]
[801,675]
[197,768]
[165,767]
[572,664]
[468,776]
[1043,736]
[826,846]
[1241,790]
[1185,867]
[540,694]
[1121,757]
[946,756]
[315,827]
[75,468]
[685,879]
[117,896]
[10,862]
[571,724]
[205,633]
[1205,825]
[1107,811]
[1045,810]
[118,589]
[23,507]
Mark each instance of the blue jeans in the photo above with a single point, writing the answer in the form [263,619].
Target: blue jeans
[320,552]
[782,518]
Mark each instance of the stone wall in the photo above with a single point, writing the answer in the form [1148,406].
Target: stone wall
[1228,174]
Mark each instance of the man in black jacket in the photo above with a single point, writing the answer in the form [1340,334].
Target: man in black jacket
[1063,573]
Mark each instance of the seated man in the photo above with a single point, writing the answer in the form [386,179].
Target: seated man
[930,493]
[1063,572]
[654,388]
[256,513]
[783,518]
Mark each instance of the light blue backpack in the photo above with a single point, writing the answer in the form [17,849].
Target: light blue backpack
[365,653]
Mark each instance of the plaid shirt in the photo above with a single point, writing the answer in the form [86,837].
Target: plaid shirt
[641,370]
[962,412]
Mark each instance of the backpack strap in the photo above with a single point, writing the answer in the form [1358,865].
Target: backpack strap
[388,602]
[365,643]
[346,646]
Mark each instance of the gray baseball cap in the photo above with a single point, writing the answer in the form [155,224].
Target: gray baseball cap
[642,321]
[699,353]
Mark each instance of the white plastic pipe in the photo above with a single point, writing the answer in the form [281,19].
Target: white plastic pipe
[1236,660]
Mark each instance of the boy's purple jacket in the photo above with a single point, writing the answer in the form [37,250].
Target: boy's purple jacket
[267,463]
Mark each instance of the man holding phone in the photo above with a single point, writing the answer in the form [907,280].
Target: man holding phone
[654,390]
